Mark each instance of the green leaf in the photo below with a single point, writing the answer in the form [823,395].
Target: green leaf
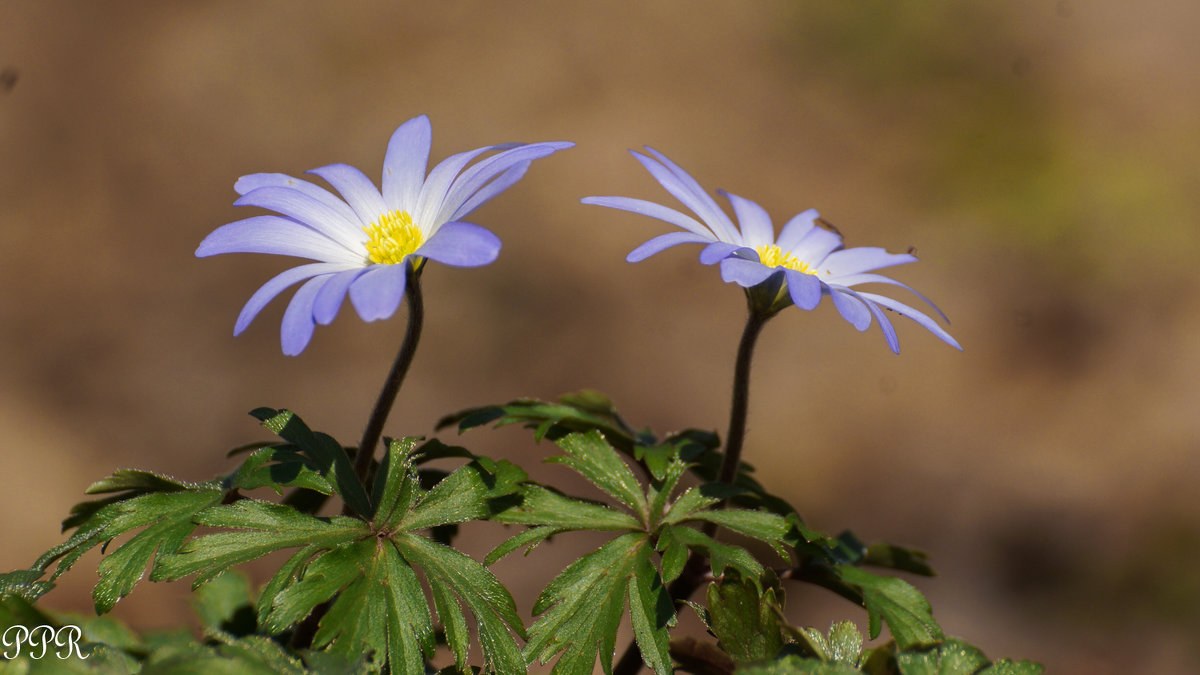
[895,601]
[721,556]
[1007,667]
[25,584]
[260,528]
[593,458]
[138,481]
[220,603]
[696,499]
[742,618]
[167,519]
[582,607]
[330,457]
[490,603]
[952,657]
[396,484]
[278,467]
[463,495]
[651,612]
[587,411]
[844,644]
[898,558]
[531,538]
[674,553]
[542,506]
[766,527]
[796,665]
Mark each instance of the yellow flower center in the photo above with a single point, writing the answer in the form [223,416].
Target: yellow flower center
[773,256]
[392,238]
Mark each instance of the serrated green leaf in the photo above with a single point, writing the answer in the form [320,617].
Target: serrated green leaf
[488,599]
[721,556]
[381,609]
[542,506]
[216,602]
[260,528]
[24,584]
[284,577]
[454,624]
[662,488]
[582,607]
[651,612]
[594,459]
[531,538]
[657,458]
[277,467]
[329,456]
[796,665]
[138,481]
[674,553]
[395,484]
[1008,667]
[742,619]
[168,520]
[898,558]
[764,526]
[895,601]
[697,498]
[550,420]
[952,657]
[845,643]
[459,497]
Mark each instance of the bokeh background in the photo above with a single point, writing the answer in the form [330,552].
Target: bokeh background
[1043,157]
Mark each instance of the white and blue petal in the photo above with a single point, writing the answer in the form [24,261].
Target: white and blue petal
[296,330]
[796,229]
[314,213]
[474,179]
[405,162]
[277,236]
[922,319]
[745,273]
[688,192]
[862,259]
[805,289]
[461,245]
[358,191]
[719,250]
[378,291]
[331,296]
[657,211]
[850,307]
[267,292]
[753,219]
[663,242]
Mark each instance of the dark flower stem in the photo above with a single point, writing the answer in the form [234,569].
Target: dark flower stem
[391,386]
[741,397]
[695,573]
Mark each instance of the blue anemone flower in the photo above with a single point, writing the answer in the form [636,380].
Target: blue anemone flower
[365,240]
[811,260]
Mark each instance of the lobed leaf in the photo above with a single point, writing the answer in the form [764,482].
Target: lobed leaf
[330,457]
[261,528]
[594,459]
[582,607]
[906,611]
[742,618]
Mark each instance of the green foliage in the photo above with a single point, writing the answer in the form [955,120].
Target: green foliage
[581,608]
[379,587]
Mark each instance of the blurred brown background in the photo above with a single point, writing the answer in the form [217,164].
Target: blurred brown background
[1042,156]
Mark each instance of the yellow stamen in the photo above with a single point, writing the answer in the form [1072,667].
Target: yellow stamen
[392,238]
[773,256]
